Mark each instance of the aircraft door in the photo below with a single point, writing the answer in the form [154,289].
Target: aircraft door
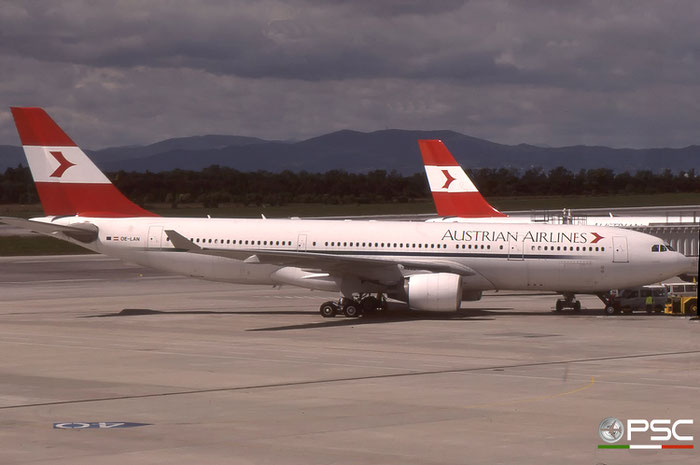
[155,237]
[301,243]
[515,250]
[620,249]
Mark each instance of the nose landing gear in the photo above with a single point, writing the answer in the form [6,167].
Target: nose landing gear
[611,306]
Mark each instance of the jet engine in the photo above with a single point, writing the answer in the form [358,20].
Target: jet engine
[438,292]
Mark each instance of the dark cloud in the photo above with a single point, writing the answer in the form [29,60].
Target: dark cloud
[600,72]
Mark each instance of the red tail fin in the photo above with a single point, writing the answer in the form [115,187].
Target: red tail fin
[67,181]
[453,192]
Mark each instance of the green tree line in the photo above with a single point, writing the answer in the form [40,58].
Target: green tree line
[216,184]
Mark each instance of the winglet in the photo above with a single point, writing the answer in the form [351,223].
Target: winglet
[453,192]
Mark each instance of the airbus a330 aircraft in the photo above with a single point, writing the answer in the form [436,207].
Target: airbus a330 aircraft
[431,266]
[457,200]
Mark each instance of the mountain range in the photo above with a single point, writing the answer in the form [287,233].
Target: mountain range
[354,151]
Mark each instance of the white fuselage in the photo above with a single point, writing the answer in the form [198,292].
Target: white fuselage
[503,256]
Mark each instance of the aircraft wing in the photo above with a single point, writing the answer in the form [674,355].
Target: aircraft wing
[365,267]
[83,232]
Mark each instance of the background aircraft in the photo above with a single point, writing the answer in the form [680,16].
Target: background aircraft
[457,200]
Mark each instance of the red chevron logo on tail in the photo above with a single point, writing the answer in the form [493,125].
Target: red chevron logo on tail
[64,164]
[448,178]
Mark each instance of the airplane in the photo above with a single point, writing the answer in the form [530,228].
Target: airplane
[430,266]
[457,200]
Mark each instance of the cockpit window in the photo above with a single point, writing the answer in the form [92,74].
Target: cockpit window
[662,248]
[655,248]
[670,248]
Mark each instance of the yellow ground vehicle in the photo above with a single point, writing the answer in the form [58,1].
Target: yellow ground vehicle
[677,305]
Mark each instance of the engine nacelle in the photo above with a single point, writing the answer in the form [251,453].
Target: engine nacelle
[437,292]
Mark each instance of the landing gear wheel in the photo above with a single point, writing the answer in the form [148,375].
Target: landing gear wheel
[558,307]
[577,306]
[610,310]
[328,310]
[351,310]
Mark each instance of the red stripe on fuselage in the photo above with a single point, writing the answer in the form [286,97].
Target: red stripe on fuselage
[85,199]
[35,127]
[464,204]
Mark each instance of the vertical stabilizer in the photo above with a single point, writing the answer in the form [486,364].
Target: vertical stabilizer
[453,192]
[67,181]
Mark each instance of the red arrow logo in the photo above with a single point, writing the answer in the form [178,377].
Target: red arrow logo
[62,167]
[448,178]
[597,238]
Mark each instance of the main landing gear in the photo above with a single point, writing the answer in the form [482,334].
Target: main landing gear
[569,301]
[353,307]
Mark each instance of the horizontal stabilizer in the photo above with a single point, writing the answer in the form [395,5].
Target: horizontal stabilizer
[82,232]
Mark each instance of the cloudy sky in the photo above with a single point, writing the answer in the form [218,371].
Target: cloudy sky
[556,72]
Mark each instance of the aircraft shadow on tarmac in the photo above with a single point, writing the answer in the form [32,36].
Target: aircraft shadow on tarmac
[397,313]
